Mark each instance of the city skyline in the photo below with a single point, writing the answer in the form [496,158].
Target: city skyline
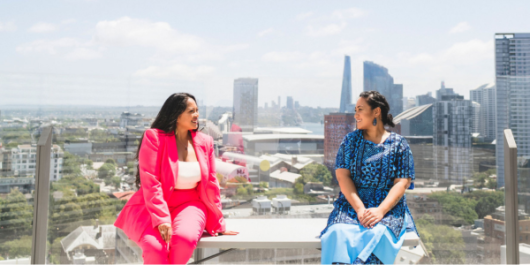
[97,55]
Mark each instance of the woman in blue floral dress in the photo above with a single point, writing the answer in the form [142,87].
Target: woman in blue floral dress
[374,167]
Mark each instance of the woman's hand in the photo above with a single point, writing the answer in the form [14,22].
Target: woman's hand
[371,217]
[360,214]
[165,231]
[227,233]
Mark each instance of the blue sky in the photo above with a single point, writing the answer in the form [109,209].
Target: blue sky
[138,52]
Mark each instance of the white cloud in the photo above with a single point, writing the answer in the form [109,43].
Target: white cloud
[83,54]
[71,49]
[283,56]
[48,46]
[304,15]
[138,32]
[68,21]
[349,47]
[7,26]
[461,53]
[327,30]
[177,71]
[334,23]
[266,32]
[43,27]
[461,27]
[348,13]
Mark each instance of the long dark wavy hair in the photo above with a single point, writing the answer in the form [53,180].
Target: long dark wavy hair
[166,120]
[375,99]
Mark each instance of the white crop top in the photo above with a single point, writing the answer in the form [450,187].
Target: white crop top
[189,175]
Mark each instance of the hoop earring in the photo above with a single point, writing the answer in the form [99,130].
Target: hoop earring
[374,122]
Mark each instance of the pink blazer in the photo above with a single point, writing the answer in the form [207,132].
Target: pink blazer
[158,175]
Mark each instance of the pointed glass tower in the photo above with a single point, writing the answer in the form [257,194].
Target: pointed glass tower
[345,96]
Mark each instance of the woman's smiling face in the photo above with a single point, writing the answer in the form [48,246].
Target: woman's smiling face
[190,117]
[364,114]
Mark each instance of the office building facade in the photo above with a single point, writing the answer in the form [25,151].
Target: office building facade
[512,69]
[376,78]
[485,95]
[336,126]
[246,103]
[452,153]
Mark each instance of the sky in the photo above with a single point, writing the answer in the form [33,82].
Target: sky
[128,53]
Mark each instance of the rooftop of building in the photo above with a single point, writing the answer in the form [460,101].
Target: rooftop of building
[282,130]
[280,136]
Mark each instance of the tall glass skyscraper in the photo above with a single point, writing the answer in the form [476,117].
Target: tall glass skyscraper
[452,124]
[345,95]
[376,78]
[246,103]
[512,69]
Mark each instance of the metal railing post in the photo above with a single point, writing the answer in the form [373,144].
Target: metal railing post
[510,196]
[41,197]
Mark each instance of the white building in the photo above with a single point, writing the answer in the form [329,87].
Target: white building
[485,96]
[24,161]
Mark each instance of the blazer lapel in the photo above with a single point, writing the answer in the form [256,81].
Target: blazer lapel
[173,155]
[201,157]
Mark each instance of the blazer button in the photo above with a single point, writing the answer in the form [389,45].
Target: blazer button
[170,188]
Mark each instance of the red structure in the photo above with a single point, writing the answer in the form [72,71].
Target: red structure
[336,126]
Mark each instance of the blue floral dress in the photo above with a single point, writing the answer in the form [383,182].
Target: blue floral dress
[373,167]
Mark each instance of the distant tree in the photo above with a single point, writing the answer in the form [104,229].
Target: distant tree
[16,214]
[242,191]
[318,172]
[111,161]
[107,170]
[299,188]
[444,244]
[456,206]
[116,181]
[487,205]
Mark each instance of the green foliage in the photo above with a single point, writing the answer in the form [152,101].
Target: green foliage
[131,167]
[107,170]
[461,210]
[241,191]
[18,248]
[111,161]
[487,201]
[56,251]
[263,184]
[318,172]
[81,185]
[16,214]
[101,136]
[116,182]
[299,188]
[444,244]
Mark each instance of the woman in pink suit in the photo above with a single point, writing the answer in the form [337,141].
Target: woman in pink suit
[178,195]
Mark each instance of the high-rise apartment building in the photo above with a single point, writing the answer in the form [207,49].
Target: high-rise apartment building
[452,153]
[336,126]
[246,103]
[376,78]
[346,105]
[444,91]
[475,117]
[512,70]
[289,103]
[485,96]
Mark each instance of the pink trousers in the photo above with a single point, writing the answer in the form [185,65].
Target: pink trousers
[189,218]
